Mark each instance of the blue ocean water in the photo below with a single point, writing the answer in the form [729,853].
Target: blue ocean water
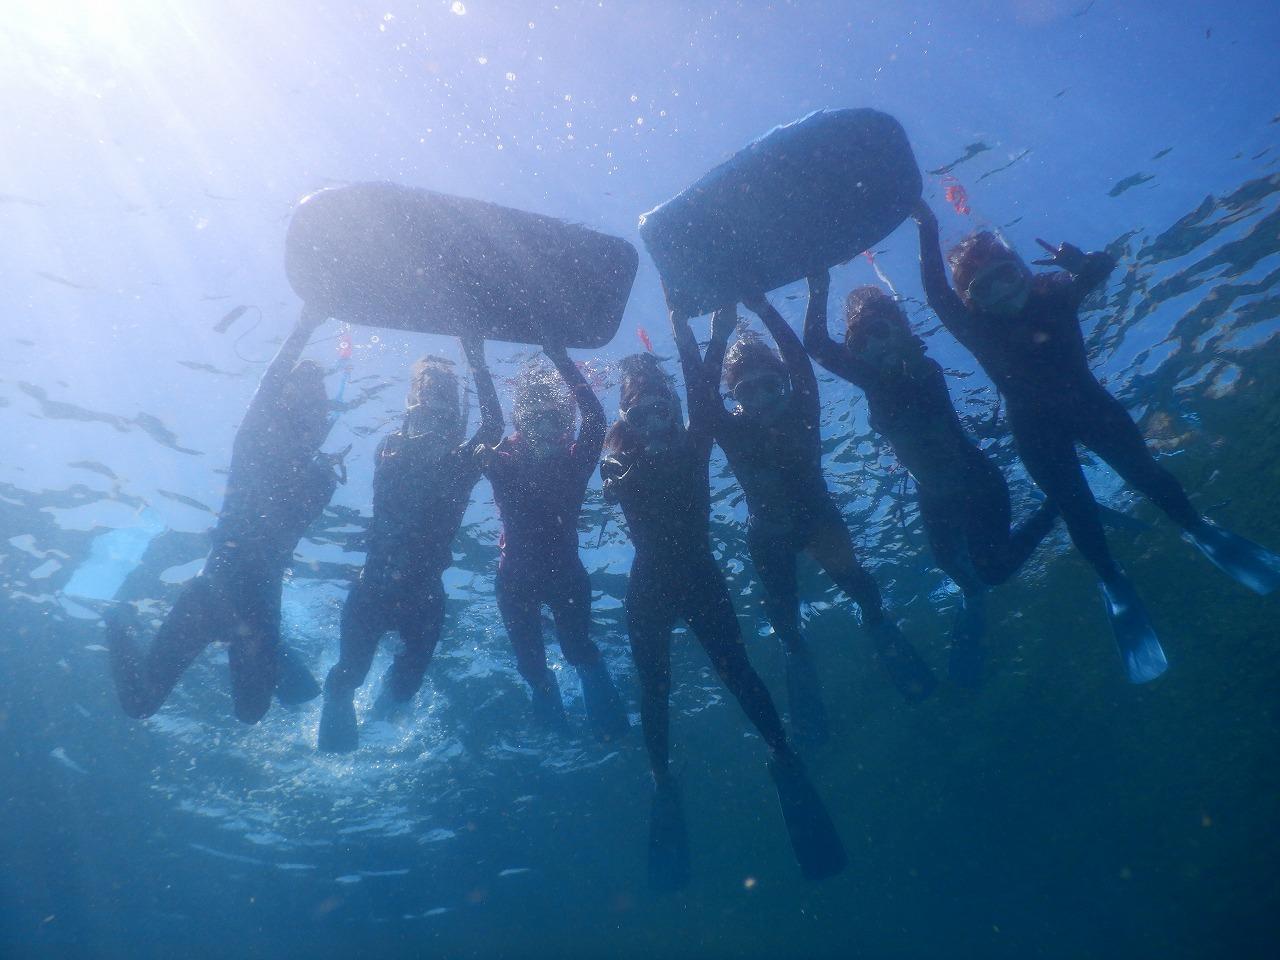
[156,151]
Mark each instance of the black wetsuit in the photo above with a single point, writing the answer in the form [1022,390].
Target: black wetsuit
[540,499]
[666,499]
[419,498]
[269,504]
[779,465]
[1038,361]
[964,500]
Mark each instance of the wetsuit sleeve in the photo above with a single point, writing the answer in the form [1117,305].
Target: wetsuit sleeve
[826,351]
[490,429]
[586,451]
[799,366]
[942,299]
[699,390]
[267,396]
[1094,271]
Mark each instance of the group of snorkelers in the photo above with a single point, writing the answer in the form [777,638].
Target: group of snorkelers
[1023,329]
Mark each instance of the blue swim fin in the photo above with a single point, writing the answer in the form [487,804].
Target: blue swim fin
[548,707]
[967,632]
[814,840]
[1244,561]
[668,839]
[1140,649]
[804,699]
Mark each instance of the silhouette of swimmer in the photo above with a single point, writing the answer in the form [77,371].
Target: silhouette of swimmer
[539,476]
[656,468]
[964,500]
[1024,330]
[774,446]
[423,476]
[278,484]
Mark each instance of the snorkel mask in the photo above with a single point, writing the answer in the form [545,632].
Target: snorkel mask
[1001,287]
[762,394]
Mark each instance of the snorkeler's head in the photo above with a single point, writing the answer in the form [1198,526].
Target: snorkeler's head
[305,405]
[755,376]
[543,408]
[876,329]
[649,411]
[431,407]
[988,275]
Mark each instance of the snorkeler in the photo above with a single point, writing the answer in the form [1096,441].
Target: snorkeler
[774,446]
[964,500]
[278,484]
[657,469]
[423,476]
[539,477]
[1024,330]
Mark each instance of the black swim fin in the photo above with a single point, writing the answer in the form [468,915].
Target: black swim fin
[338,731]
[1140,649]
[387,708]
[814,840]
[967,632]
[605,712]
[548,707]
[907,669]
[294,683]
[1244,561]
[804,700]
[668,840]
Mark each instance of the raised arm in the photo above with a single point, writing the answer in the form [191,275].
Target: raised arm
[591,433]
[490,429]
[699,388]
[942,299]
[1088,271]
[799,366]
[272,383]
[818,341]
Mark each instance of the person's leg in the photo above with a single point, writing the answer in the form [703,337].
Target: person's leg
[774,559]
[364,621]
[419,623]
[831,545]
[649,623]
[144,681]
[650,617]
[570,602]
[254,648]
[520,604]
[709,612]
[944,525]
[707,607]
[1048,450]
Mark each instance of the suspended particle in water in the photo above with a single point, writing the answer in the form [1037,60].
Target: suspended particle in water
[634,98]
[482,60]
[458,8]
[749,883]
[639,121]
[510,76]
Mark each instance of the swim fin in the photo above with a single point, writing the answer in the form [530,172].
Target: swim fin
[548,708]
[1244,561]
[338,732]
[967,633]
[804,699]
[1144,660]
[814,839]
[668,839]
[294,683]
[907,669]
[387,708]
[605,711]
